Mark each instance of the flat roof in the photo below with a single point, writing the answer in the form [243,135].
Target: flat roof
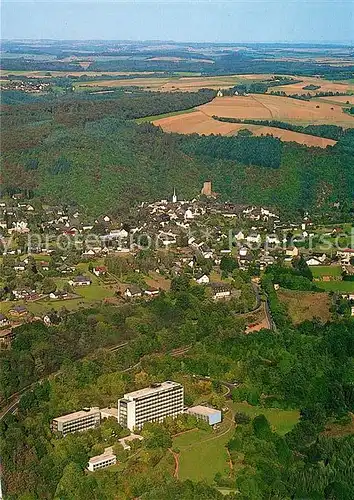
[203,410]
[102,458]
[77,414]
[154,388]
[110,411]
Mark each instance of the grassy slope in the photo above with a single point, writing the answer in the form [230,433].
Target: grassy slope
[203,454]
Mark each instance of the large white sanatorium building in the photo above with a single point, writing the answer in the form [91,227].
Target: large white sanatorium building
[151,404]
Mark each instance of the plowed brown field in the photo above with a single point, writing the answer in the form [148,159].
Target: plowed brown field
[326,86]
[200,123]
[343,99]
[270,107]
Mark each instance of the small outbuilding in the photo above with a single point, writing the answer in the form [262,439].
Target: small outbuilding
[210,415]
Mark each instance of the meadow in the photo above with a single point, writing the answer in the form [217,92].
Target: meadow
[304,306]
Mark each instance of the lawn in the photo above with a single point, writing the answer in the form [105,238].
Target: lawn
[203,453]
[319,271]
[337,286]
[282,421]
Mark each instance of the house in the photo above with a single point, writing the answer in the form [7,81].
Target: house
[292,252]
[167,238]
[6,337]
[18,311]
[243,252]
[133,291]
[3,321]
[23,294]
[88,253]
[124,441]
[254,238]
[99,270]
[220,290]
[272,239]
[58,294]
[20,267]
[44,265]
[219,93]
[80,281]
[312,261]
[265,261]
[203,280]
[152,292]
[345,255]
[239,236]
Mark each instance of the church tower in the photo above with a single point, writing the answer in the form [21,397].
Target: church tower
[174,197]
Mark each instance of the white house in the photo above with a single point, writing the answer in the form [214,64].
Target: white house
[203,280]
[80,281]
[188,214]
[220,290]
[345,255]
[272,239]
[152,292]
[292,252]
[219,93]
[239,236]
[99,270]
[132,291]
[254,238]
[243,252]
[312,261]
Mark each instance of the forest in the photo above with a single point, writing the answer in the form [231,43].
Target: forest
[238,62]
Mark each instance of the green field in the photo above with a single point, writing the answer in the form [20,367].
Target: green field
[319,271]
[337,286]
[203,453]
[282,421]
[87,295]
[165,115]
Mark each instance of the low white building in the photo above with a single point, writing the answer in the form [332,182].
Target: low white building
[239,236]
[254,238]
[210,415]
[313,262]
[126,440]
[203,280]
[102,461]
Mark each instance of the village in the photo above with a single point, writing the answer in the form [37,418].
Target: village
[56,260]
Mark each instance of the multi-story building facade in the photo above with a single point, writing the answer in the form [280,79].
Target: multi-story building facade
[76,422]
[151,404]
[102,461]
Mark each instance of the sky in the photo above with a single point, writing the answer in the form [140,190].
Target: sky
[183,20]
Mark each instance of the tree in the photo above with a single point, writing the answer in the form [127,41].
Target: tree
[228,264]
[48,285]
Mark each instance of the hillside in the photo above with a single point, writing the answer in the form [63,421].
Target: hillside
[90,152]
